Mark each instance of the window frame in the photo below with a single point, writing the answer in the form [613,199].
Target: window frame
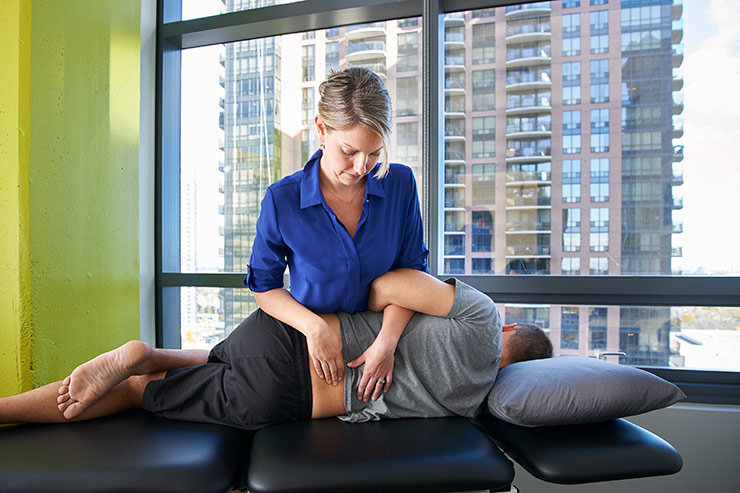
[175,35]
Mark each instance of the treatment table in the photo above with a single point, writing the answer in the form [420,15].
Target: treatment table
[139,452]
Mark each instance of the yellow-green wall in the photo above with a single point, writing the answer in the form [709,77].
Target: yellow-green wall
[69,221]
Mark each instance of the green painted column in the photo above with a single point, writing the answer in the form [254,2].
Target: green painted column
[78,222]
[15,296]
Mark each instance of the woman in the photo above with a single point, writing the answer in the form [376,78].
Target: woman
[339,223]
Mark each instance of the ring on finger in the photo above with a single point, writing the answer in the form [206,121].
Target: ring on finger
[380,382]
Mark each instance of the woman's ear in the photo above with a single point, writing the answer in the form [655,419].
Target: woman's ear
[320,128]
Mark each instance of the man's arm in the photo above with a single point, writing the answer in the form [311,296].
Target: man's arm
[411,289]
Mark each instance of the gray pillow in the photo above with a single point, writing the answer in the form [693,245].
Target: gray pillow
[575,389]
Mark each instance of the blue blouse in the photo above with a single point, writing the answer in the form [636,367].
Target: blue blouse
[331,271]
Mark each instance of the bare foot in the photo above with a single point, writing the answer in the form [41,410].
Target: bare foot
[89,381]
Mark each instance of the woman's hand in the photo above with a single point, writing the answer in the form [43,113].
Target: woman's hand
[378,372]
[325,347]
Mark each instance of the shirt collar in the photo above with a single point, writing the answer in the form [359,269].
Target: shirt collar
[311,189]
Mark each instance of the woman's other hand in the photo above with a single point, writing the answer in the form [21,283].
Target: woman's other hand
[325,348]
[377,375]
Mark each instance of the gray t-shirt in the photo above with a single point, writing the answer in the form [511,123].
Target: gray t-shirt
[443,366]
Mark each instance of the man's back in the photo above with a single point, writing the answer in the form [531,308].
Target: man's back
[443,366]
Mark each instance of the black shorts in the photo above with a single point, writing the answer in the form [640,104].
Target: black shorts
[257,376]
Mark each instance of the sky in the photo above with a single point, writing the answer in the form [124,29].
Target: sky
[711,93]
[711,190]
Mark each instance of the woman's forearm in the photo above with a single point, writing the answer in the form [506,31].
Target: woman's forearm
[395,319]
[279,304]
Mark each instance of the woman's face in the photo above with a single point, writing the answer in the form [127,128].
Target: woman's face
[349,154]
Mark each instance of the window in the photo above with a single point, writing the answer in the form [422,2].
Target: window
[597,322]
[251,143]
[307,106]
[407,142]
[482,231]
[599,229]
[484,47]
[598,266]
[407,94]
[571,46]
[484,90]
[484,184]
[569,327]
[600,180]
[309,62]
[332,57]
[571,132]
[571,266]
[408,52]
[571,180]
[484,137]
[571,83]
[571,230]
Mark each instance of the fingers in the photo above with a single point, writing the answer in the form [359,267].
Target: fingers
[380,388]
[372,387]
[329,370]
[317,367]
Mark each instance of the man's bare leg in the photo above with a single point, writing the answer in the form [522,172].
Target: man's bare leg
[412,289]
[40,405]
[91,380]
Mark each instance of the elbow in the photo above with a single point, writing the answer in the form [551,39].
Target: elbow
[379,296]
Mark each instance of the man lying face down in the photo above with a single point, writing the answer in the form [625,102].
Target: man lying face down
[445,364]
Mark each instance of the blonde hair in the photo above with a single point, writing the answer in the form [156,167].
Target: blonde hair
[356,95]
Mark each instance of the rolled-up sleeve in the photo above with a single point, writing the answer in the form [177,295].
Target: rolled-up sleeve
[413,252]
[269,252]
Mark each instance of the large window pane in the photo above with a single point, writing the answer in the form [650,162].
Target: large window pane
[681,337]
[605,122]
[248,120]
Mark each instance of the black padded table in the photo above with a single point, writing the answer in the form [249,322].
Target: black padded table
[442,454]
[585,453]
[130,452]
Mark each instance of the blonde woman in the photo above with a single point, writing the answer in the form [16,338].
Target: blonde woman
[346,218]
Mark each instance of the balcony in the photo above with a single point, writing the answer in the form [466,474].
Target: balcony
[677,58]
[677,153]
[677,103]
[531,31]
[531,80]
[677,128]
[527,177]
[528,251]
[528,105]
[524,130]
[678,202]
[455,40]
[677,31]
[455,19]
[455,133]
[527,202]
[677,227]
[536,9]
[677,252]
[677,80]
[527,227]
[677,9]
[454,174]
[378,68]
[677,178]
[455,62]
[518,152]
[360,31]
[365,50]
[527,56]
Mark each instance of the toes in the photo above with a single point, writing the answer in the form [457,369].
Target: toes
[64,405]
[73,410]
